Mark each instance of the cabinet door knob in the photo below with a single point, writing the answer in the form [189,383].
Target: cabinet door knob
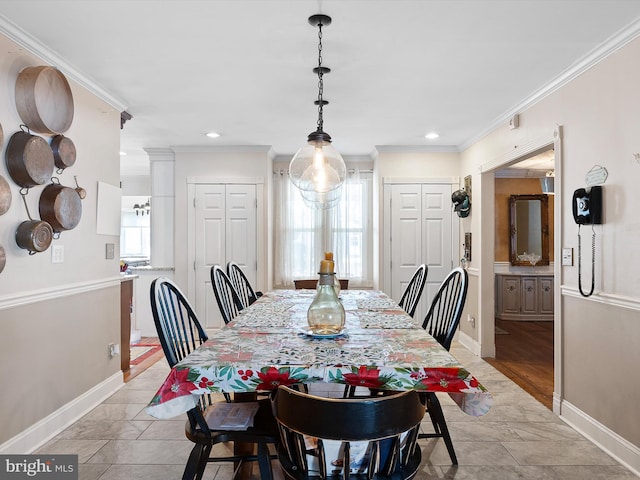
[529,288]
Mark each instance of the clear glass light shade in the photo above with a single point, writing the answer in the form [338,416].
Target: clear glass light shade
[321,200]
[317,167]
[547,184]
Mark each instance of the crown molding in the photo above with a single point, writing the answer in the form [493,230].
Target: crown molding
[592,58]
[417,149]
[221,149]
[40,50]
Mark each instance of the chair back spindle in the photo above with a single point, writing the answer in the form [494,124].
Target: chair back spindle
[443,316]
[241,283]
[413,291]
[226,296]
[178,328]
[387,425]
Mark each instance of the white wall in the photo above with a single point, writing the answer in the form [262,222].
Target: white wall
[598,336]
[57,319]
[220,165]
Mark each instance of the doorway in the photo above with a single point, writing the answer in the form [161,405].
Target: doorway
[524,294]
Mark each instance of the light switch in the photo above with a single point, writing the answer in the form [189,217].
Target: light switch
[567,256]
[110,251]
[57,254]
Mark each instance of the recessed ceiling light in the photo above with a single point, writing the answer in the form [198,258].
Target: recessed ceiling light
[213,135]
[432,135]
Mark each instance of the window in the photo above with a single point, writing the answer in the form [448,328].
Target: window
[135,230]
[303,234]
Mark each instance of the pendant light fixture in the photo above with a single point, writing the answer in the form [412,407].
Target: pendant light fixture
[318,169]
[547,182]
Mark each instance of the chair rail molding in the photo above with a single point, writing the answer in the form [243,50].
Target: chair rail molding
[44,294]
[610,299]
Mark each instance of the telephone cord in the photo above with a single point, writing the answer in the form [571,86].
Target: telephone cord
[593,263]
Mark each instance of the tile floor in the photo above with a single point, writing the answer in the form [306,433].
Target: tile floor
[518,439]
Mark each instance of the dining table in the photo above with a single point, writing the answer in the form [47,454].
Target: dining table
[269,344]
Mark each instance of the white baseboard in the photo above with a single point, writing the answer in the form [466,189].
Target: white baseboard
[556,403]
[45,429]
[619,448]
[469,343]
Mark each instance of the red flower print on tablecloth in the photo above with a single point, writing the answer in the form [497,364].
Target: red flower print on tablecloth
[443,380]
[366,377]
[245,374]
[271,378]
[205,383]
[176,385]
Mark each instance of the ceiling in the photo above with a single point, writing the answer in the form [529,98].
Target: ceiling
[243,68]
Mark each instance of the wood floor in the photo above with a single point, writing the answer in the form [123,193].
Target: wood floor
[135,370]
[525,354]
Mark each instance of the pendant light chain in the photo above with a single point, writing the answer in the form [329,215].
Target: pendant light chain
[320,80]
[318,169]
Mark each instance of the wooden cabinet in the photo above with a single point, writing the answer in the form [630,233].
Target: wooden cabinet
[524,297]
[126,306]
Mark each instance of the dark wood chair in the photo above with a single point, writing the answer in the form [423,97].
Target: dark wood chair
[441,322]
[226,296]
[327,436]
[242,285]
[313,283]
[180,333]
[413,291]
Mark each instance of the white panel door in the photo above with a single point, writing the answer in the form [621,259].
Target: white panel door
[421,232]
[210,248]
[405,235]
[225,229]
[241,229]
[437,241]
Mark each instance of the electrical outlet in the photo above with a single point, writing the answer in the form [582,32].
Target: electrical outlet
[114,349]
[57,254]
[110,251]
[567,256]
[471,320]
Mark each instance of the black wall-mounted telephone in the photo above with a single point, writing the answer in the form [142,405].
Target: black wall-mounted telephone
[587,206]
[587,210]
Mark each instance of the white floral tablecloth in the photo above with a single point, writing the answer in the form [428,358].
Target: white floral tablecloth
[265,346]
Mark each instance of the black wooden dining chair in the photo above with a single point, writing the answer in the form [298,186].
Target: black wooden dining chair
[242,285]
[413,291]
[226,295]
[180,333]
[441,322]
[323,444]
